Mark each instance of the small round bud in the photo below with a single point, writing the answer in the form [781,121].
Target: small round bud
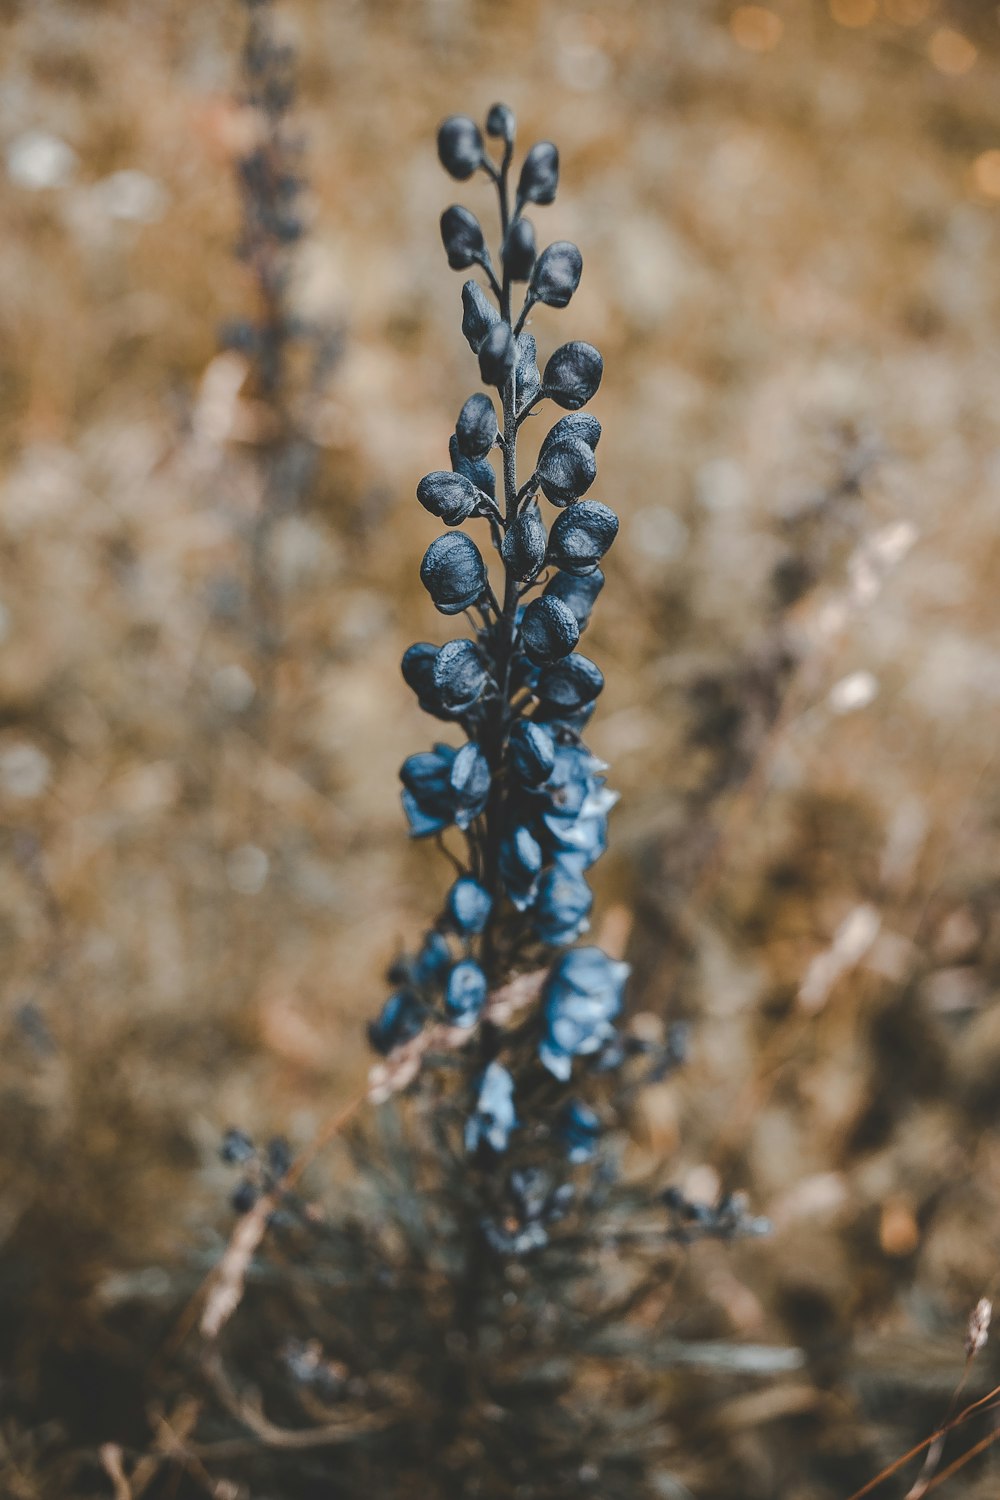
[469,779]
[579,424]
[418,673]
[529,382]
[519,250]
[476,428]
[453,572]
[523,548]
[460,146]
[500,123]
[532,752]
[478,314]
[566,470]
[399,1021]
[548,630]
[459,676]
[462,237]
[581,535]
[469,906]
[571,684]
[540,174]
[450,497]
[579,593]
[573,374]
[557,273]
[497,354]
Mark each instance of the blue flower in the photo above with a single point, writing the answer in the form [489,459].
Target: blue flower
[582,997]
[494,1117]
[469,906]
[580,1130]
[400,1020]
[465,993]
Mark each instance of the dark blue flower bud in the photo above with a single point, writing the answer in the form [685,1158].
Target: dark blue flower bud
[279,1156]
[518,253]
[399,1021]
[566,470]
[433,961]
[497,354]
[557,273]
[462,237]
[237,1147]
[476,428]
[479,470]
[548,630]
[465,993]
[582,997]
[428,799]
[523,548]
[532,752]
[571,683]
[579,424]
[562,907]
[245,1197]
[573,374]
[581,535]
[453,572]
[579,593]
[478,314]
[580,1130]
[459,676]
[470,783]
[469,906]
[418,672]
[451,497]
[540,174]
[529,382]
[500,123]
[460,146]
[520,866]
[494,1118]
[562,720]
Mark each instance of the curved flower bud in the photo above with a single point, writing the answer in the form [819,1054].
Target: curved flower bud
[433,961]
[532,752]
[479,470]
[523,548]
[453,572]
[497,354]
[458,676]
[529,382]
[470,783]
[540,174]
[562,908]
[573,374]
[465,993]
[566,470]
[462,237]
[582,997]
[460,146]
[579,592]
[581,535]
[518,253]
[478,314]
[417,667]
[557,273]
[500,123]
[451,497]
[520,866]
[548,630]
[494,1117]
[476,428]
[399,1021]
[469,906]
[579,424]
[571,683]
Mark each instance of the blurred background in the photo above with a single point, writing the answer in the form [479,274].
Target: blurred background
[790,220]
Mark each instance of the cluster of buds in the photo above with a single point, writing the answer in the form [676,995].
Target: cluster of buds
[525,793]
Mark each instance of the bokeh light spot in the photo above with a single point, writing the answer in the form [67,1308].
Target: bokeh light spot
[908,12]
[986,173]
[854,12]
[755,28]
[951,52]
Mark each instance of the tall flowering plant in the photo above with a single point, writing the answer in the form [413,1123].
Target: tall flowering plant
[524,793]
